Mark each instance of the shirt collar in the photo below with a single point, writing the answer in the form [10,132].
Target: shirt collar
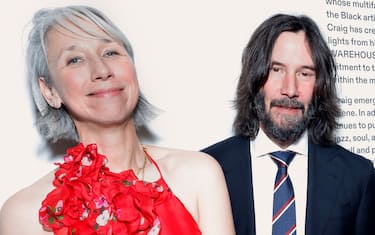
[262,145]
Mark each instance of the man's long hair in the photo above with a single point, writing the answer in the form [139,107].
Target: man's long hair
[255,69]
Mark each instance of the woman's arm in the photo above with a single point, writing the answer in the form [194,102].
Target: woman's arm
[20,213]
[215,214]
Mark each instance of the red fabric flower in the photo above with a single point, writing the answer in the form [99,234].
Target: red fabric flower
[89,199]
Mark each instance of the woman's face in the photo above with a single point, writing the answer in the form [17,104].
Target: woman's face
[93,78]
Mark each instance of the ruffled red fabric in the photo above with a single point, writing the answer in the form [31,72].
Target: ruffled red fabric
[89,199]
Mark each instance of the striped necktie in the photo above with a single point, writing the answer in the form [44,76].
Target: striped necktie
[284,209]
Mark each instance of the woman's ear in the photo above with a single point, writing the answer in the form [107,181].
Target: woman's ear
[49,94]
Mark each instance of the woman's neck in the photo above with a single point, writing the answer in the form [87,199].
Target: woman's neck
[120,144]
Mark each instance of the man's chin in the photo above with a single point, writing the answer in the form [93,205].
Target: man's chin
[287,125]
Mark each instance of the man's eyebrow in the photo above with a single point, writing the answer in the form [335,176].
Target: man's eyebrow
[276,63]
[310,67]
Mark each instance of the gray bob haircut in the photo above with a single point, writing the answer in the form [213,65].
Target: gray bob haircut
[56,124]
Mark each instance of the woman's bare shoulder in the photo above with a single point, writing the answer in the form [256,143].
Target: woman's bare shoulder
[181,159]
[170,154]
[19,214]
[196,178]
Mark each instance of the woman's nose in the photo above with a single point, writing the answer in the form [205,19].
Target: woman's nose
[101,70]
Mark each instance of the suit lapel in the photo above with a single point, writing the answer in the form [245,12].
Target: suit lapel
[237,170]
[324,175]
[250,212]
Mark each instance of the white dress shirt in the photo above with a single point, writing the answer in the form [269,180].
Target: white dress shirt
[264,173]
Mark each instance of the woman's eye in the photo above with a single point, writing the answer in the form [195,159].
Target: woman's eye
[111,53]
[74,60]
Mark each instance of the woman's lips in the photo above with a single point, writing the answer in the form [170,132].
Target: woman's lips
[106,92]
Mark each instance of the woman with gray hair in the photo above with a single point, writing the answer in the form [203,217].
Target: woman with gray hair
[83,80]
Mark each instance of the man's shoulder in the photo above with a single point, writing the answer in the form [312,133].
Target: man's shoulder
[356,159]
[230,152]
[227,144]
[348,158]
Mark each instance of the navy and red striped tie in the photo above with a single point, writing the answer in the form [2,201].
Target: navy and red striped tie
[284,209]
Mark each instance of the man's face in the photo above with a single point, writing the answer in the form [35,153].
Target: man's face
[283,102]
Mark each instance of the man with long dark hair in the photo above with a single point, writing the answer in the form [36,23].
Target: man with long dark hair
[284,171]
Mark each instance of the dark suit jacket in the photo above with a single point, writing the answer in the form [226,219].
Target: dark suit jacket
[340,191]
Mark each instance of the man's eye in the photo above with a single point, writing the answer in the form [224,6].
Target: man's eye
[305,75]
[276,69]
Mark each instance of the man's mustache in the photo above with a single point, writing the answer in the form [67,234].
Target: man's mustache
[288,103]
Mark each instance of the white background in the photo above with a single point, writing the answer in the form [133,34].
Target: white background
[187,56]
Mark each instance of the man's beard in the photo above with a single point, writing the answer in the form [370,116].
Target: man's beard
[290,128]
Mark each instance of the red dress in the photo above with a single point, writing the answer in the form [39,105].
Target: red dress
[89,199]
